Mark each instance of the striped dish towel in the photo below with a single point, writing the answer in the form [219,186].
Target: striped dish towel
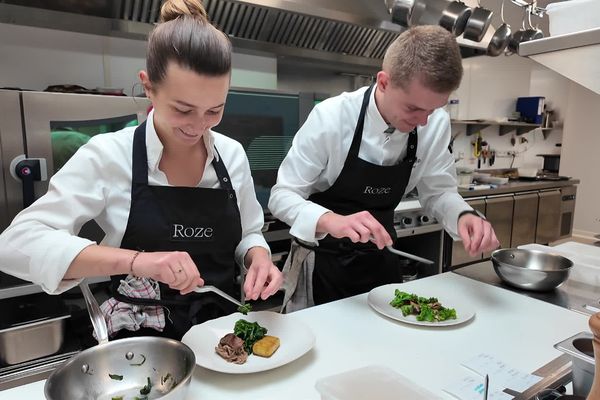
[120,315]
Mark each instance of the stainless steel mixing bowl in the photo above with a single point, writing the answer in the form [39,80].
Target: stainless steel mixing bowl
[531,269]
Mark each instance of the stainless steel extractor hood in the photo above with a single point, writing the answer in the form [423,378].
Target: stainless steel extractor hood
[575,56]
[352,32]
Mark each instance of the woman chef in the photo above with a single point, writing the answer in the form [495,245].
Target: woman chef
[175,199]
[353,160]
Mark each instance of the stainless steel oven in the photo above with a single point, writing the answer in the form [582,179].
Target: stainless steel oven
[420,234]
[39,131]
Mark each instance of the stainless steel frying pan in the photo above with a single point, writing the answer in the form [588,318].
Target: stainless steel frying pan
[125,367]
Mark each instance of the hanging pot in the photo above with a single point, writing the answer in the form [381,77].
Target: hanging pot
[455,16]
[478,23]
[406,12]
[500,39]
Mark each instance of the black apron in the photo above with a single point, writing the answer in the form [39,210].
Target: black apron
[343,268]
[203,222]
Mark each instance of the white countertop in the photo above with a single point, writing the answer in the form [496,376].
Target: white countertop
[514,328]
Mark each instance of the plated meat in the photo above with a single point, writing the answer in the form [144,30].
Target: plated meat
[231,348]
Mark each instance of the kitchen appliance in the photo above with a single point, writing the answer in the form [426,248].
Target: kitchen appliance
[38,132]
[155,366]
[41,129]
[418,233]
[531,269]
[265,123]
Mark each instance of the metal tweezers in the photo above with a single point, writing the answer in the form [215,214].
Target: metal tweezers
[485,387]
[210,288]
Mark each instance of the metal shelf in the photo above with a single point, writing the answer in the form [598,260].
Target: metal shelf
[474,126]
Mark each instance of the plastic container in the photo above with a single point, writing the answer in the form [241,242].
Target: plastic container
[573,16]
[371,382]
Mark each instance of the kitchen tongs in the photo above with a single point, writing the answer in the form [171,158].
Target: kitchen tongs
[211,288]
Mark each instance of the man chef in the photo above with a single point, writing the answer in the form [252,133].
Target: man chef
[353,160]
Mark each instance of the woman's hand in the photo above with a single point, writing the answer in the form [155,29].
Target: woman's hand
[174,268]
[263,278]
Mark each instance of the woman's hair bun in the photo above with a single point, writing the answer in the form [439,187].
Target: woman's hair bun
[172,9]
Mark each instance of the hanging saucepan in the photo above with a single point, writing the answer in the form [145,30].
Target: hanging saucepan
[517,37]
[478,23]
[525,34]
[143,367]
[406,12]
[455,16]
[500,39]
[531,33]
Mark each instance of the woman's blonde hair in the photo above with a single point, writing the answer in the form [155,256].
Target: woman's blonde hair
[429,53]
[185,36]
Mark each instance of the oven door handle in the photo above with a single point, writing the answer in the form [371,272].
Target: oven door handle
[28,170]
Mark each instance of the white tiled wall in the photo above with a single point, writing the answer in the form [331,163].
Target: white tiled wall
[489,90]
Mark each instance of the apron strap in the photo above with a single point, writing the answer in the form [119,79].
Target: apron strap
[411,151]
[355,146]
[139,157]
[221,172]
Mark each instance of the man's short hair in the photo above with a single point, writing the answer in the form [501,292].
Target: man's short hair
[429,53]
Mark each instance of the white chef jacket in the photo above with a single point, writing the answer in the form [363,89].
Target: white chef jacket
[95,183]
[319,151]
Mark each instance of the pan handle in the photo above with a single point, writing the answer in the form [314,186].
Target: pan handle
[95,314]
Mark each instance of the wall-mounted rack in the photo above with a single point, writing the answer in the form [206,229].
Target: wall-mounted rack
[476,125]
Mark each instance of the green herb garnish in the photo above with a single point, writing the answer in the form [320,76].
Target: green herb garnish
[117,398]
[245,308]
[164,379]
[146,389]
[425,309]
[249,332]
[116,377]
[141,362]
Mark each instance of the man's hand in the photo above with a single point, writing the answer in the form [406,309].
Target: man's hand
[360,227]
[263,278]
[477,234]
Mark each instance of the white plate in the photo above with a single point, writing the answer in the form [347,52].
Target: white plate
[295,337]
[380,297]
